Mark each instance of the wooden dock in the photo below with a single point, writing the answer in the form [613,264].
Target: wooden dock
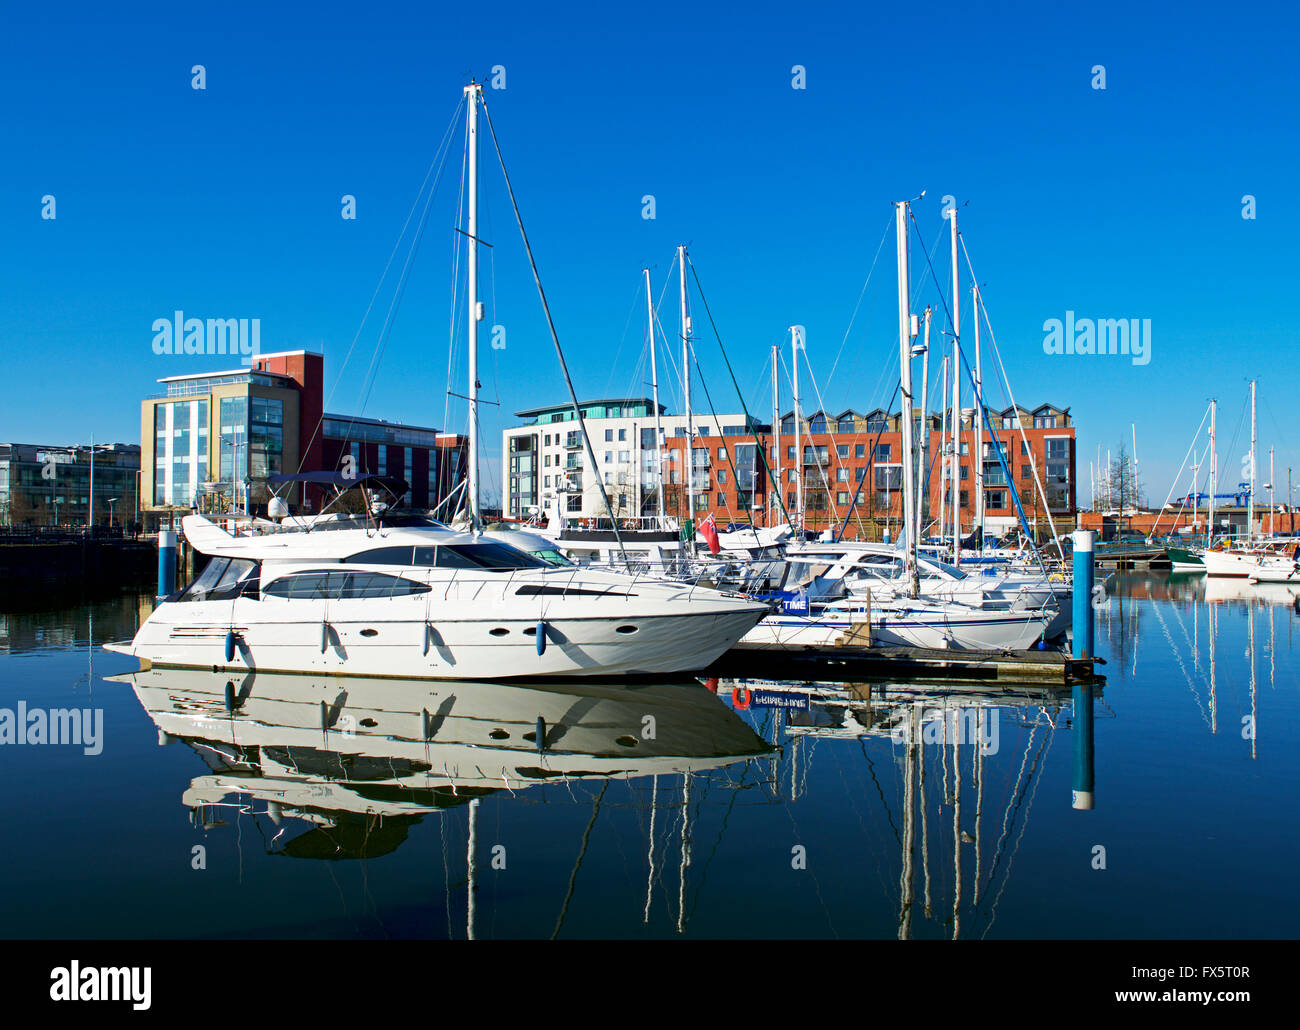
[908,663]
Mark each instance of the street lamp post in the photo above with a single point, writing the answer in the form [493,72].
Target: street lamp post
[111,501]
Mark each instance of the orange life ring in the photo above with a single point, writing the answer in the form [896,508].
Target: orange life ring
[736,694]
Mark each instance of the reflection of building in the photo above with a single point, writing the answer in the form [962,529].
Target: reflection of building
[49,486]
[213,438]
[847,462]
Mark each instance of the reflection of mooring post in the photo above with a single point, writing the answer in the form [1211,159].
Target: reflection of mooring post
[1082,587]
[1083,757]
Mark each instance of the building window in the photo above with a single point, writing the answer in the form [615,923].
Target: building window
[842,450]
[842,498]
[573,503]
[883,451]
[789,453]
[722,476]
[622,435]
[648,441]
[722,499]
[965,472]
[609,436]
[722,454]
[995,499]
[860,450]
[841,475]
[889,477]
[790,475]
[964,500]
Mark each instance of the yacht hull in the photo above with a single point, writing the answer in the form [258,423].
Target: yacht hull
[389,643]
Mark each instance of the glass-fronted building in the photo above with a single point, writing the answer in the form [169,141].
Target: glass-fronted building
[48,485]
[212,440]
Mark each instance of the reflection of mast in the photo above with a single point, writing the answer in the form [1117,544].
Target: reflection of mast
[686,852]
[906,876]
[1250,615]
[650,879]
[956,825]
[925,831]
[977,765]
[1211,612]
[472,868]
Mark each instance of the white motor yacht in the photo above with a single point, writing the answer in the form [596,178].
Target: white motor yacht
[404,595]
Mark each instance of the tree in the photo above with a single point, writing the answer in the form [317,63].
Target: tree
[1123,484]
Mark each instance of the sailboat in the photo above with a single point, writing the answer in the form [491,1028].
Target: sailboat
[902,615]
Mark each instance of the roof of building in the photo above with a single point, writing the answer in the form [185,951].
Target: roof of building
[227,372]
[380,422]
[599,402]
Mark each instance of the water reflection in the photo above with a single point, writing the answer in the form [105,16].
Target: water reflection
[335,768]
[1189,624]
[941,737]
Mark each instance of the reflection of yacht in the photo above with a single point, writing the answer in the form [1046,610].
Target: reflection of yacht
[341,752]
[1221,588]
[411,597]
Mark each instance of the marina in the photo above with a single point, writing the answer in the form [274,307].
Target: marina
[542,474]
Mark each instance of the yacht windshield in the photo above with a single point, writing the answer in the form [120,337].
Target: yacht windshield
[484,555]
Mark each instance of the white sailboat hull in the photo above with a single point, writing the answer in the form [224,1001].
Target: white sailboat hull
[939,627]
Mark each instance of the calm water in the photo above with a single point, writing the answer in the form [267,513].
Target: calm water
[297,807]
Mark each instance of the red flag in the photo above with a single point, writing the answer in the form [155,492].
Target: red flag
[709,530]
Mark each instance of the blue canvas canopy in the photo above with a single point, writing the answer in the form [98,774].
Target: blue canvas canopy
[395,485]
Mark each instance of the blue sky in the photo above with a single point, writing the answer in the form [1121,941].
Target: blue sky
[1116,203]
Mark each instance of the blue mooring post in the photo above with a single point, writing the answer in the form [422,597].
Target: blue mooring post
[1082,589]
[166,562]
[1082,797]
[884,538]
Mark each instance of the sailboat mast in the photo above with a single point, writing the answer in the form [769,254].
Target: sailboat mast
[956,400]
[1250,504]
[654,388]
[908,523]
[776,428]
[686,389]
[943,447]
[1214,474]
[925,425]
[977,452]
[473,94]
[798,430]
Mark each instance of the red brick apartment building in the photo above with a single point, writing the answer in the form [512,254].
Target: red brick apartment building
[851,464]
